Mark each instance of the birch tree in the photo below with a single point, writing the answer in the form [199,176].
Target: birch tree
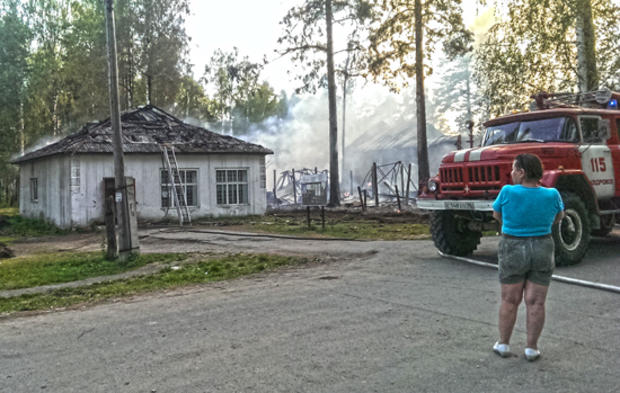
[547,45]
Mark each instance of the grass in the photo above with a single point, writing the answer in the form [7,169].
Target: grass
[54,268]
[205,270]
[9,211]
[13,226]
[355,227]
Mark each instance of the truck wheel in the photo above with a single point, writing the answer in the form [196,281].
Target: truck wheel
[607,224]
[451,234]
[572,234]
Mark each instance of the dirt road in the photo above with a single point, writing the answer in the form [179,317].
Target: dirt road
[375,317]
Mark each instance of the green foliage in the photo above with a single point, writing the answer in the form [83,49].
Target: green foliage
[240,100]
[206,270]
[392,50]
[532,48]
[46,269]
[304,39]
[27,227]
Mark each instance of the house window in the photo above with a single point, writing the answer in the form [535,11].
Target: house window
[263,174]
[187,184]
[231,186]
[34,189]
[75,176]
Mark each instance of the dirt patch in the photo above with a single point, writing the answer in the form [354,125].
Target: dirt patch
[91,241]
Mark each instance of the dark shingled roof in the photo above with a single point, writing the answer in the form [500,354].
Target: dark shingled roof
[144,129]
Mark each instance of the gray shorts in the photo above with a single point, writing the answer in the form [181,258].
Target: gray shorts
[526,258]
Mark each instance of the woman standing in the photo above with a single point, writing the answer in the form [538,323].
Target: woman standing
[526,213]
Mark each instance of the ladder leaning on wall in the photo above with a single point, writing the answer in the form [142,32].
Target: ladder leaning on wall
[177,188]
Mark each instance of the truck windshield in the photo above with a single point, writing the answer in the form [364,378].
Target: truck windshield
[557,129]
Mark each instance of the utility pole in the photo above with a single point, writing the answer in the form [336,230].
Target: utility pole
[122,206]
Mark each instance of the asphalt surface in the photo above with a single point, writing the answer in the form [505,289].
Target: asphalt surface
[372,317]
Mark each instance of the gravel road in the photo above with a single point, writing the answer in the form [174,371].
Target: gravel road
[373,317]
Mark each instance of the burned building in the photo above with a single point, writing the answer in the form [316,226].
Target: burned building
[65,182]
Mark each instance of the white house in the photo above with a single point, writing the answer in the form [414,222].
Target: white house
[64,182]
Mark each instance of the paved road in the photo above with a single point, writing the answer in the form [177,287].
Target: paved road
[376,317]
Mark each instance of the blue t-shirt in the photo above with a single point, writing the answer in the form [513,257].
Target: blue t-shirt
[528,211]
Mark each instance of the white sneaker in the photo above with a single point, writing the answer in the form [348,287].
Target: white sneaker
[532,354]
[502,350]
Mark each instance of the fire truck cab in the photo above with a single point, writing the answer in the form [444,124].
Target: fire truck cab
[577,138]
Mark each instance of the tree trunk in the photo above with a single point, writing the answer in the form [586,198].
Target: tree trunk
[587,74]
[22,128]
[423,167]
[149,89]
[334,184]
[344,111]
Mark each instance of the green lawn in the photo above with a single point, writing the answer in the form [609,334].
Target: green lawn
[13,226]
[204,270]
[348,226]
[54,268]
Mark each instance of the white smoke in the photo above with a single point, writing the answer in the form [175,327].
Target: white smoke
[41,143]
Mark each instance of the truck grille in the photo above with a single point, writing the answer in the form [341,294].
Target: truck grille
[470,180]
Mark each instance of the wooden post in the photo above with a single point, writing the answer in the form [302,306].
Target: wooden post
[397,196]
[294,189]
[365,197]
[375,185]
[359,190]
[323,217]
[275,197]
[110,228]
[408,181]
[308,215]
[402,178]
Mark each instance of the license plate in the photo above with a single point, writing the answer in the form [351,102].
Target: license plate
[459,205]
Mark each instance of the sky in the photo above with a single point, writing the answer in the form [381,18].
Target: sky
[250,25]
[253,27]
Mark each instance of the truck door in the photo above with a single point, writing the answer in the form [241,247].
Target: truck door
[596,158]
[614,145]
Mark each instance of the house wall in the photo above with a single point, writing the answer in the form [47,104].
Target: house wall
[86,199]
[54,202]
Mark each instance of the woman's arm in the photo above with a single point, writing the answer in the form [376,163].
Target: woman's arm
[498,216]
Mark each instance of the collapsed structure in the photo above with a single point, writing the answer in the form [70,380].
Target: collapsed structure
[65,182]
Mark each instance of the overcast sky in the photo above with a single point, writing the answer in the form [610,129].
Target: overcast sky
[253,27]
[250,25]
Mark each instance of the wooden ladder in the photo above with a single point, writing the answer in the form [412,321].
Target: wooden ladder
[179,191]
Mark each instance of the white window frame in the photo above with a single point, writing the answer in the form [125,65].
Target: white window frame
[263,174]
[231,187]
[34,189]
[75,175]
[168,185]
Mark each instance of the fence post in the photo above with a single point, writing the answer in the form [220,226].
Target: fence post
[294,189]
[359,190]
[375,185]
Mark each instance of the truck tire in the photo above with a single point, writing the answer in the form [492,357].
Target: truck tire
[572,235]
[451,234]
[607,224]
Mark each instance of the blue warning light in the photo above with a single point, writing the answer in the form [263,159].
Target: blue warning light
[612,104]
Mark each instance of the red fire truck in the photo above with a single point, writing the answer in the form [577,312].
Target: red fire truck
[577,137]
